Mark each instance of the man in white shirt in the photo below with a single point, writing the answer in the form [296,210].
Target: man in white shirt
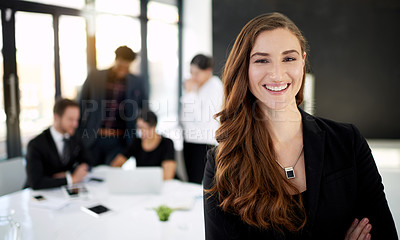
[56,157]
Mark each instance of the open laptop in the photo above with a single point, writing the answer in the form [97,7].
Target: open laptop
[142,180]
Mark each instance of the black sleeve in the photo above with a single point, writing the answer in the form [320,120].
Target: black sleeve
[371,197]
[169,153]
[218,224]
[83,99]
[35,171]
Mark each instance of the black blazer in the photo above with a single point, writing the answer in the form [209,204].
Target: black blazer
[43,160]
[342,183]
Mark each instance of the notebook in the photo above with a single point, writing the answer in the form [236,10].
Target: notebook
[142,180]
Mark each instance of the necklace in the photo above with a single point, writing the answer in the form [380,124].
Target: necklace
[290,170]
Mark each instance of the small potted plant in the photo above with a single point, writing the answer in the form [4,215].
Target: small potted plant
[163,212]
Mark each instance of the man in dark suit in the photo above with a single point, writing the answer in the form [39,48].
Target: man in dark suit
[109,102]
[57,157]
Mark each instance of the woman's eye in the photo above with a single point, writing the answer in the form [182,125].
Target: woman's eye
[289,59]
[261,61]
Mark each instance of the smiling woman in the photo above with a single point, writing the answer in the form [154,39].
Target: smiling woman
[279,172]
[275,73]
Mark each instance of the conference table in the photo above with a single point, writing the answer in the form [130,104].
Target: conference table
[132,216]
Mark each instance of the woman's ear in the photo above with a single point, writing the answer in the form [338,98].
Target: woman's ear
[304,58]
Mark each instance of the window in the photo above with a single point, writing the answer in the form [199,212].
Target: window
[163,59]
[73,64]
[35,66]
[115,31]
[79,4]
[131,7]
[3,128]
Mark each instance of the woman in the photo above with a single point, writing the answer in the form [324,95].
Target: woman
[278,172]
[151,149]
[202,99]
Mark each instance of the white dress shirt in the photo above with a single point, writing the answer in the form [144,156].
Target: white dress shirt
[198,109]
[58,140]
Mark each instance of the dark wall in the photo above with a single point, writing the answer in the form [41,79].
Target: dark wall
[354,55]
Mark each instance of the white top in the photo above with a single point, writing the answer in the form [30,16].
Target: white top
[198,110]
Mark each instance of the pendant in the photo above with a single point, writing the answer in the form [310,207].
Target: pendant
[289,172]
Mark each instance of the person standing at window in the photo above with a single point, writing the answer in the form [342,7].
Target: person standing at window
[201,100]
[110,100]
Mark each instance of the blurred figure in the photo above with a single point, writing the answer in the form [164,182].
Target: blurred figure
[109,101]
[151,149]
[202,99]
[57,157]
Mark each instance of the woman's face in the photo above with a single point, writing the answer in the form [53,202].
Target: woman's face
[147,131]
[199,75]
[276,68]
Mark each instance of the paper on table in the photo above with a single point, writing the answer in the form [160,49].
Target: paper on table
[50,203]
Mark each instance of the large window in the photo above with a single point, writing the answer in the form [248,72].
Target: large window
[35,66]
[124,7]
[163,60]
[58,41]
[112,32]
[65,3]
[73,67]
[3,131]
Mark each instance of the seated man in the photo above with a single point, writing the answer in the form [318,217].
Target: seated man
[56,157]
[151,149]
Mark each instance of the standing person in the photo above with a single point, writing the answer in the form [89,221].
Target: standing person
[278,172]
[201,100]
[151,149]
[57,157]
[110,100]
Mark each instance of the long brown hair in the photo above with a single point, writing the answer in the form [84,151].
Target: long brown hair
[248,181]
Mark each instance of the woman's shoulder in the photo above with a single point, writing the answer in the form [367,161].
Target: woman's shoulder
[329,126]
[216,81]
[167,141]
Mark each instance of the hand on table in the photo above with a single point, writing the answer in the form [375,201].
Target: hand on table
[359,230]
[79,173]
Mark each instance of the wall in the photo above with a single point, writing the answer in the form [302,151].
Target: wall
[354,55]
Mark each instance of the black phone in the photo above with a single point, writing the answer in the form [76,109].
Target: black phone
[39,197]
[96,179]
[96,210]
[75,191]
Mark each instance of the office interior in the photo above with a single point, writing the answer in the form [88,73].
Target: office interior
[49,47]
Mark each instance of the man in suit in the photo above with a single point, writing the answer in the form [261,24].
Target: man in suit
[57,157]
[109,102]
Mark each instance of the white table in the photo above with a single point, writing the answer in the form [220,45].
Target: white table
[132,216]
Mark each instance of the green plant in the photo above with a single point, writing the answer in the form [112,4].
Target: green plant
[163,212]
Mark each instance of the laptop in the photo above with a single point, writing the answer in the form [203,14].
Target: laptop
[142,180]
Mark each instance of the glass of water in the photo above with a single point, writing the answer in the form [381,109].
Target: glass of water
[9,228]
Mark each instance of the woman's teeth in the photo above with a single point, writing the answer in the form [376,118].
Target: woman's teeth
[276,88]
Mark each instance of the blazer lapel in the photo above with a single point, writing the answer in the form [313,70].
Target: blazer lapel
[314,142]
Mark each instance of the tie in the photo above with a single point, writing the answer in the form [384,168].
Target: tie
[66,153]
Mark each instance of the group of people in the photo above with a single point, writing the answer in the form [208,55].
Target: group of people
[112,122]
[272,171]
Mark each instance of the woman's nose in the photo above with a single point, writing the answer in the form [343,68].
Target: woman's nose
[276,72]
